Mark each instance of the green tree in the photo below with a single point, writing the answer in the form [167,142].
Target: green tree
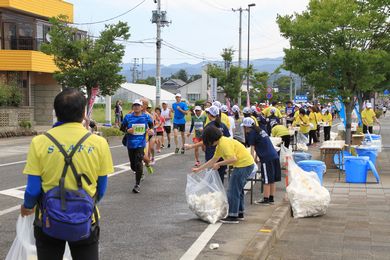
[194,77]
[283,84]
[181,74]
[148,81]
[87,63]
[341,47]
[227,56]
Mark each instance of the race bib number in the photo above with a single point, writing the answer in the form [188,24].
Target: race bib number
[198,125]
[139,129]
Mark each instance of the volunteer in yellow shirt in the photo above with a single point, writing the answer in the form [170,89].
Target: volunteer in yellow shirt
[368,118]
[267,111]
[319,120]
[224,118]
[302,120]
[233,153]
[327,119]
[313,125]
[279,130]
[45,163]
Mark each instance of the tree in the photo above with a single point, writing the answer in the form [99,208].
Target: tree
[194,77]
[87,63]
[283,84]
[341,47]
[181,74]
[227,56]
[148,81]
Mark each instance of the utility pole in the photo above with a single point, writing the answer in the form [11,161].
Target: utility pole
[142,69]
[291,85]
[239,45]
[134,71]
[248,102]
[160,19]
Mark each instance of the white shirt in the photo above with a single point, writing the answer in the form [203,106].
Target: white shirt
[232,126]
[167,115]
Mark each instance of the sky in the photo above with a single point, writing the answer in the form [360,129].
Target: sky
[201,28]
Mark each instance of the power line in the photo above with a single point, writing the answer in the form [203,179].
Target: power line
[214,5]
[113,18]
[192,54]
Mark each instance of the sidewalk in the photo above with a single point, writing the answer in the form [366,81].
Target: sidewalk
[356,226]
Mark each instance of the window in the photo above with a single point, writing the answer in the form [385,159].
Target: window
[193,97]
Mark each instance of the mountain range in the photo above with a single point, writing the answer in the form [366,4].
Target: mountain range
[260,65]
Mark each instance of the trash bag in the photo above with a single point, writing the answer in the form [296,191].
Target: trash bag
[302,141]
[206,196]
[23,247]
[284,154]
[305,193]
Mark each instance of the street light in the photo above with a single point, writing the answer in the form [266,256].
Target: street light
[247,60]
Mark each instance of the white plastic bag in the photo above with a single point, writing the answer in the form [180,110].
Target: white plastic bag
[308,198]
[284,154]
[206,196]
[23,247]
[302,141]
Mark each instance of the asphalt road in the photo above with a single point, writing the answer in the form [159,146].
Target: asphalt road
[155,224]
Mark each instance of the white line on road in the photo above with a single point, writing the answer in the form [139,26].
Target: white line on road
[6,211]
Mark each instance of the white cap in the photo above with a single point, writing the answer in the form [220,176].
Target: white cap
[253,109]
[213,110]
[178,95]
[272,110]
[248,122]
[224,108]
[217,104]
[235,109]
[298,105]
[137,102]
[198,108]
[246,110]
[368,105]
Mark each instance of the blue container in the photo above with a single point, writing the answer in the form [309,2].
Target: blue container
[373,137]
[356,169]
[368,151]
[313,166]
[301,157]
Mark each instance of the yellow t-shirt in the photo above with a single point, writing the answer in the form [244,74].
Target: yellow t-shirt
[255,119]
[319,117]
[228,148]
[327,119]
[303,122]
[313,120]
[224,119]
[296,114]
[368,116]
[93,158]
[279,131]
[267,111]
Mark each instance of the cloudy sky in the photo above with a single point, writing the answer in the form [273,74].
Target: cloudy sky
[200,28]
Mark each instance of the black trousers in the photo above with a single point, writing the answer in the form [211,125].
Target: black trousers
[313,136]
[136,157]
[286,140]
[327,133]
[365,129]
[49,248]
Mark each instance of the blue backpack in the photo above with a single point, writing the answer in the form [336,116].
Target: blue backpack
[67,214]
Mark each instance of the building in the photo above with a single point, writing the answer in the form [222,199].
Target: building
[131,91]
[24,27]
[172,85]
[196,90]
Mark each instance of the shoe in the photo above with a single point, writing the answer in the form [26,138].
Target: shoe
[182,150]
[240,216]
[271,200]
[230,220]
[150,169]
[136,189]
[169,146]
[197,164]
[152,162]
[162,146]
[264,202]
[177,150]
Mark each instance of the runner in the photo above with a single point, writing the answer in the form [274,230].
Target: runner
[179,122]
[137,125]
[198,120]
[166,112]
[151,137]
[159,128]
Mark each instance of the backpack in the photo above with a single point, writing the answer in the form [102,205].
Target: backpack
[67,214]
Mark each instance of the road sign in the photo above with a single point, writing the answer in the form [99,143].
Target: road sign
[269,95]
[386,92]
[300,98]
[269,90]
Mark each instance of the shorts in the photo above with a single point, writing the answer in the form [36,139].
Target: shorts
[196,140]
[167,129]
[271,171]
[160,133]
[180,127]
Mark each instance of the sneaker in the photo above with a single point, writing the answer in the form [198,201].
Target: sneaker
[152,162]
[136,189]
[271,200]
[182,150]
[150,169]
[162,146]
[264,202]
[240,216]
[169,146]
[177,150]
[230,220]
[197,164]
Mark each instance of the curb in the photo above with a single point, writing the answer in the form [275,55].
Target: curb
[261,244]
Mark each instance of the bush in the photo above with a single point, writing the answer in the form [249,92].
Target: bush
[378,113]
[200,102]
[10,95]
[110,131]
[25,124]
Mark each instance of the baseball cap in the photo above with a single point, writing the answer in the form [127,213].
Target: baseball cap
[178,95]
[137,102]
[272,111]
[224,108]
[198,108]
[324,110]
[248,122]
[368,105]
[253,109]
[246,110]
[149,105]
[217,104]
[213,110]
[235,109]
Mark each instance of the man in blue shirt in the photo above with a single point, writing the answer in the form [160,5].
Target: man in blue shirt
[180,110]
[137,124]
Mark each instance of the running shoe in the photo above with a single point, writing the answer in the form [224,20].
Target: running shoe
[150,169]
[197,164]
[182,150]
[230,220]
[162,146]
[177,150]
[136,189]
[169,145]
[264,202]
[152,162]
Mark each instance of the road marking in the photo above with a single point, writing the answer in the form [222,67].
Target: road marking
[17,193]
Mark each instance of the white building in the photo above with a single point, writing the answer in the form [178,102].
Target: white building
[196,90]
